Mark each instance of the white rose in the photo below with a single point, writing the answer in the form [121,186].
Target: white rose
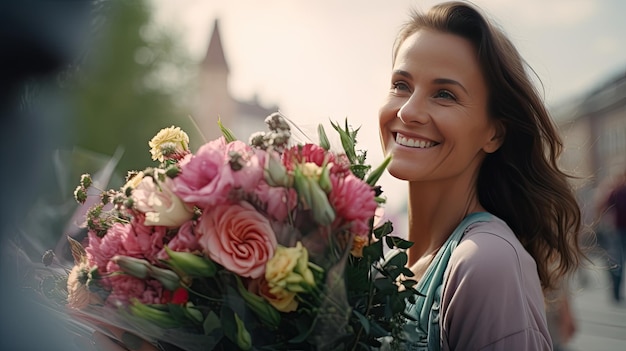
[160,205]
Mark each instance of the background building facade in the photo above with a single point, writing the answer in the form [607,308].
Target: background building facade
[594,134]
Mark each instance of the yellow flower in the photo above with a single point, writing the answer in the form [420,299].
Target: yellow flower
[288,270]
[172,139]
[311,170]
[283,301]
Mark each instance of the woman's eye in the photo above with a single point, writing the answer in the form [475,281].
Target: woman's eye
[444,94]
[400,86]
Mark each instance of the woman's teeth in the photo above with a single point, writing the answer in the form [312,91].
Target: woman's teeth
[422,144]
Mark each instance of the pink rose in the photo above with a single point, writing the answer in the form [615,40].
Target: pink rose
[252,162]
[277,202]
[238,237]
[353,201]
[208,177]
[200,180]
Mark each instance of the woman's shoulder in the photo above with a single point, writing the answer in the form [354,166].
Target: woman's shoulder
[492,247]
[491,277]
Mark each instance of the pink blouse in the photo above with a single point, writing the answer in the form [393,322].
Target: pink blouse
[492,297]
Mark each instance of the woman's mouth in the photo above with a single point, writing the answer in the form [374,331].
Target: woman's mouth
[414,142]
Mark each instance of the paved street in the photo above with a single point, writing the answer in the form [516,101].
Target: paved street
[601,322]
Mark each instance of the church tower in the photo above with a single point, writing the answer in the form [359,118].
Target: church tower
[214,100]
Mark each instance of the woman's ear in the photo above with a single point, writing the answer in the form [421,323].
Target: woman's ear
[497,137]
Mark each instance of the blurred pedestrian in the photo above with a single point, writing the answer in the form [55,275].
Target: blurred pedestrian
[614,209]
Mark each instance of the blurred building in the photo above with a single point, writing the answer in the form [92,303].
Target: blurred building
[594,134]
[214,99]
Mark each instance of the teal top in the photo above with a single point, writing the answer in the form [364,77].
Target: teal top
[423,334]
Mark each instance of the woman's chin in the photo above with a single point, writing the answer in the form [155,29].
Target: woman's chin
[402,170]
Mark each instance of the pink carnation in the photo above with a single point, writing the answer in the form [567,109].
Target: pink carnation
[144,241]
[133,240]
[184,241]
[101,250]
[124,288]
[306,153]
[353,201]
[318,155]
[207,178]
[129,239]
[341,165]
[238,237]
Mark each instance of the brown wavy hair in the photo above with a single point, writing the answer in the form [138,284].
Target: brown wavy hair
[521,182]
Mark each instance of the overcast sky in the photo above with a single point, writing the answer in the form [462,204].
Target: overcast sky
[327,59]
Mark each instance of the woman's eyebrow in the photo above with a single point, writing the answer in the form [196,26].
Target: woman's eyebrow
[449,81]
[402,73]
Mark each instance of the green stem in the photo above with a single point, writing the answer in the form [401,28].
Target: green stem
[369,305]
[188,288]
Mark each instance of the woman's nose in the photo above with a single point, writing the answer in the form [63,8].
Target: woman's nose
[414,110]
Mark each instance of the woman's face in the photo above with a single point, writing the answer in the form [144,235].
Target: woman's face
[434,121]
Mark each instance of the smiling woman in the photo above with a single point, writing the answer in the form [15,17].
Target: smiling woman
[438,98]
[494,221]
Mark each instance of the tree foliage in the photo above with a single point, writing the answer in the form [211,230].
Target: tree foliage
[125,88]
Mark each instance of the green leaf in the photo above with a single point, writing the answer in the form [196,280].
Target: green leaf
[227,133]
[383,230]
[397,242]
[177,312]
[347,141]
[398,305]
[378,331]
[374,251]
[211,323]
[229,325]
[261,308]
[355,276]
[373,177]
[385,286]
[324,143]
[360,170]
[365,322]
[407,272]
[154,314]
[398,260]
[193,314]
[305,327]
[409,283]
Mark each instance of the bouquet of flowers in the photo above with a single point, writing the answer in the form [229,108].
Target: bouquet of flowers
[265,245]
